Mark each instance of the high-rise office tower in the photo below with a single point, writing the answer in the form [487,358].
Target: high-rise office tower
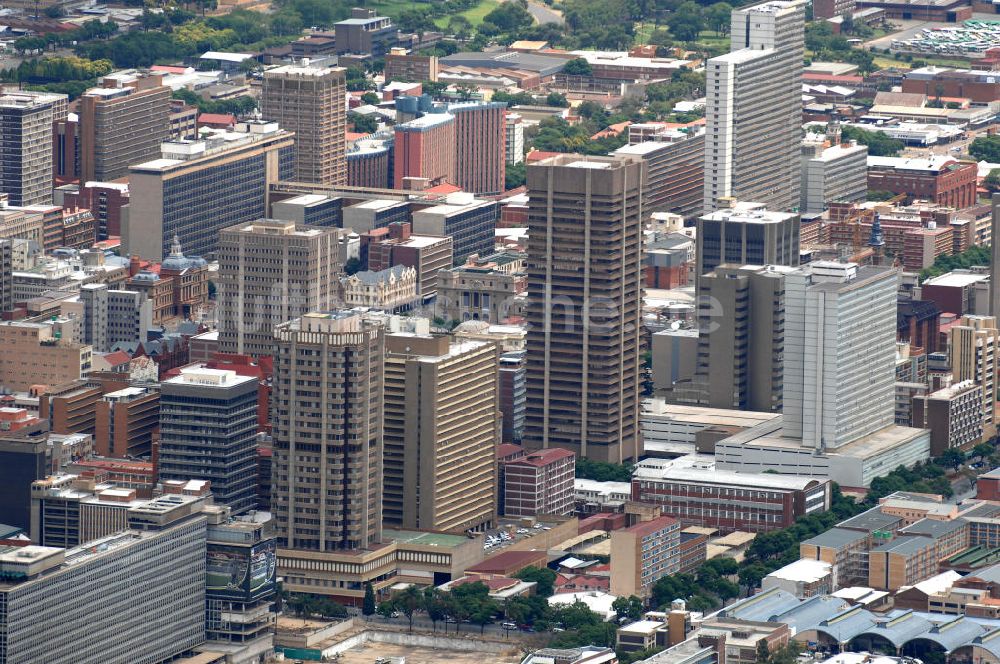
[441,433]
[995,262]
[424,148]
[741,316]
[480,146]
[975,342]
[6,275]
[310,101]
[121,122]
[271,272]
[327,478]
[199,188]
[746,234]
[754,108]
[23,459]
[584,298]
[208,430]
[840,352]
[26,141]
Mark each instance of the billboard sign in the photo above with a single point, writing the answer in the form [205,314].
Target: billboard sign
[241,573]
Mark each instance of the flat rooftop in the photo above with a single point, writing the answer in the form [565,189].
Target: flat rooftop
[424,538]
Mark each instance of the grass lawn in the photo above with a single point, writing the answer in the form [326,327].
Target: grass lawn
[882,60]
[475,15]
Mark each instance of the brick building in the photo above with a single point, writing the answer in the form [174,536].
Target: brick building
[425,149]
[939,179]
[698,494]
[539,483]
[395,245]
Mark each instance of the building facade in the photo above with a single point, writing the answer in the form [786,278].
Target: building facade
[271,272]
[840,353]
[470,222]
[441,432]
[311,102]
[974,347]
[583,343]
[754,108]
[480,146]
[121,122]
[208,429]
[197,189]
[26,168]
[642,554]
[327,481]
[539,483]
[835,174]
[746,234]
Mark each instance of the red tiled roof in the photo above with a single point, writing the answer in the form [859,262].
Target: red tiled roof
[354,135]
[443,188]
[216,118]
[117,357]
[507,560]
[544,457]
[170,69]
[538,155]
[506,449]
[647,527]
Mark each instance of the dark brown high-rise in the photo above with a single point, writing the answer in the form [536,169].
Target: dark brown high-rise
[584,289]
[311,102]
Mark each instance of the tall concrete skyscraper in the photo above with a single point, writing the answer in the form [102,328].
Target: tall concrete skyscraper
[975,342]
[584,292]
[26,141]
[741,321]
[746,233]
[441,432]
[208,431]
[840,352]
[327,401]
[270,272]
[995,262]
[122,122]
[310,101]
[754,108]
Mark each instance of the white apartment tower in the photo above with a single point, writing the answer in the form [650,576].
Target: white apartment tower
[840,352]
[754,108]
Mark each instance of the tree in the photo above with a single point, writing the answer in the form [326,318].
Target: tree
[628,607]
[686,22]
[983,450]
[385,608]
[600,471]
[543,576]
[983,148]
[434,606]
[370,98]
[368,607]
[515,175]
[751,576]
[364,124]
[55,11]
[556,99]
[763,653]
[719,17]
[879,144]
[952,458]
[408,601]
[578,67]
[459,26]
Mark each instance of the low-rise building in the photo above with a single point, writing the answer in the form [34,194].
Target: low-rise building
[488,288]
[642,554]
[953,414]
[539,483]
[392,289]
[694,491]
[41,354]
[940,179]
[803,578]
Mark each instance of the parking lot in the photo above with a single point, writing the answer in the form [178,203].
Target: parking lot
[370,652]
[509,532]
